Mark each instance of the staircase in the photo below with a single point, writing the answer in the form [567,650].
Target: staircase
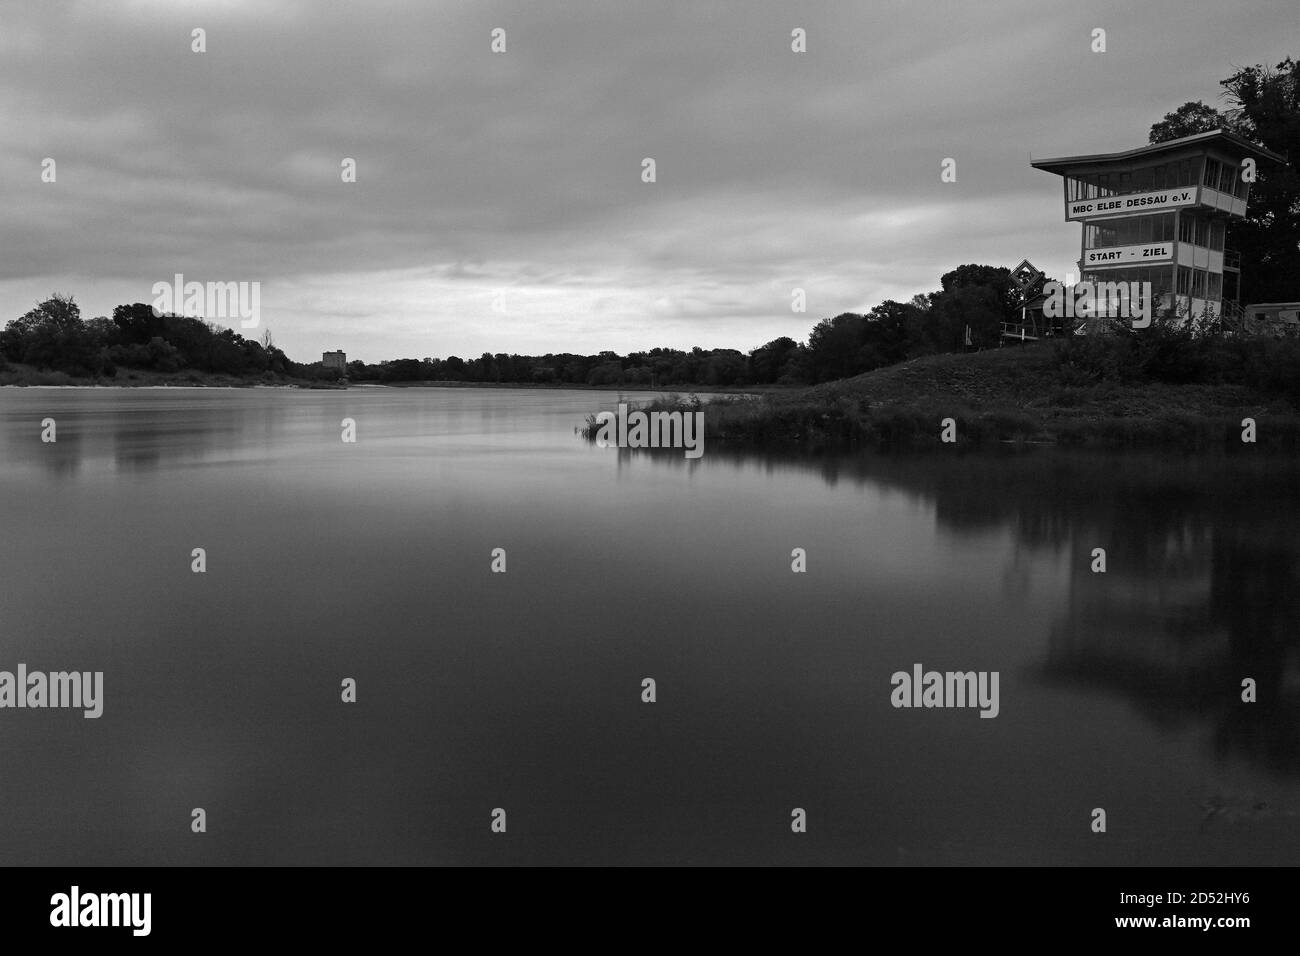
[1232,317]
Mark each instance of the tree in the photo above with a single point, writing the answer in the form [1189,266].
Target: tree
[1266,111]
[607,373]
[52,336]
[137,323]
[833,346]
[885,340]
[1269,238]
[1188,120]
[164,356]
[724,367]
[975,306]
[995,278]
[767,362]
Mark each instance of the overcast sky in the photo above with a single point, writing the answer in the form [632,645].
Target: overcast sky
[499,204]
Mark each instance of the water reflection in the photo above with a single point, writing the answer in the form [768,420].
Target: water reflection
[523,690]
[1201,588]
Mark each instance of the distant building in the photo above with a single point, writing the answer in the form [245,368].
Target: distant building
[1159,213]
[338,360]
[1277,318]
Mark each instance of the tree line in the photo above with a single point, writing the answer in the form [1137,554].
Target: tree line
[974,297]
[54,337]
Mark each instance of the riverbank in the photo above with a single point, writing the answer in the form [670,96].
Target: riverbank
[578,386]
[20,376]
[1016,394]
[28,376]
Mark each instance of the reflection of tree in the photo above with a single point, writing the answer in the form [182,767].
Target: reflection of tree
[1198,595]
[1256,596]
[62,458]
[1202,587]
[128,431]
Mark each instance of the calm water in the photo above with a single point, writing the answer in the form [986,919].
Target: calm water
[522,690]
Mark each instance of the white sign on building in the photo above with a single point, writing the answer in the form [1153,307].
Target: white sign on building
[1137,203]
[1128,255]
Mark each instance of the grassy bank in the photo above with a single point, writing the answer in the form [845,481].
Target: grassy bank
[1053,393]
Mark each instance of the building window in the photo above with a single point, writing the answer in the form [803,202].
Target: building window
[1198,283]
[1105,235]
[1170,175]
[1202,233]
[1136,230]
[1215,286]
[1211,178]
[1184,280]
[1165,280]
[1158,276]
[1217,230]
[1185,226]
[1227,174]
[1130,232]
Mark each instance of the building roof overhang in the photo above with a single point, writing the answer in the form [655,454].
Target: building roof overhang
[1215,137]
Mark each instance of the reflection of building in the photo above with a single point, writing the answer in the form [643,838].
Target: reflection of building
[337,360]
[1147,618]
[1159,214]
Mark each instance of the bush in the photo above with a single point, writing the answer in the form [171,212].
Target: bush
[1166,353]
[164,356]
[1182,356]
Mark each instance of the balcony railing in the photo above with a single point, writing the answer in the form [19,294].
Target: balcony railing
[1232,259]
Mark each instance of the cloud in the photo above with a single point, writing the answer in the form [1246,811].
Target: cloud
[522,170]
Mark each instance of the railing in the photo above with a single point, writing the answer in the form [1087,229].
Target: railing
[1033,330]
[1232,317]
[1232,259]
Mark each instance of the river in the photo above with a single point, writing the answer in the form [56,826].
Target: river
[327,560]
